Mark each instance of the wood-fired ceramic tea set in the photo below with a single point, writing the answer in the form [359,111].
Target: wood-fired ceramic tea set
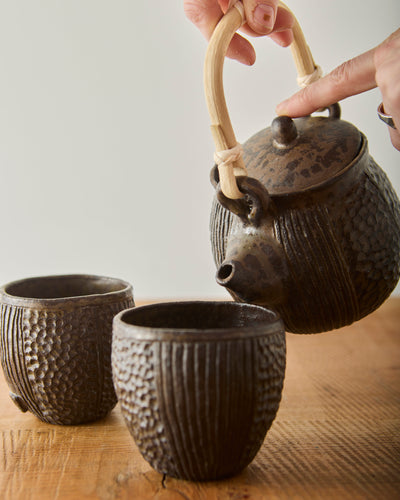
[305,233]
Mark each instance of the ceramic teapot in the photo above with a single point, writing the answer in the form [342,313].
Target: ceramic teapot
[304,221]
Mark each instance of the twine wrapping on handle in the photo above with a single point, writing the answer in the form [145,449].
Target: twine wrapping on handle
[306,80]
[239,6]
[225,160]
[228,156]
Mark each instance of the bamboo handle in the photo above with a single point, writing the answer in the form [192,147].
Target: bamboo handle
[221,126]
[301,52]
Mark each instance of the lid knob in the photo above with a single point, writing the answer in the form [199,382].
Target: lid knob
[284,131]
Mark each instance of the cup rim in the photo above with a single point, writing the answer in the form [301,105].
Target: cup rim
[141,332]
[6,297]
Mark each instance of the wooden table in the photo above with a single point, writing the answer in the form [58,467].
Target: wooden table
[337,434]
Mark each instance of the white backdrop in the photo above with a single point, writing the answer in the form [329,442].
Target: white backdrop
[105,148]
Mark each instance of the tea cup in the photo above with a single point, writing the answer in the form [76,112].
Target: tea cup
[199,383]
[55,343]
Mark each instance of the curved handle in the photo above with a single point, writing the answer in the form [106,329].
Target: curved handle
[228,151]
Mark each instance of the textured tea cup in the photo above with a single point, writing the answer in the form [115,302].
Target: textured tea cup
[199,383]
[55,344]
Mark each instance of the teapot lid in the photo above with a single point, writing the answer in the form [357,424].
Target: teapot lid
[297,154]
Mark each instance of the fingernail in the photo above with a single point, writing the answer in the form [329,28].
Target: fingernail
[264,16]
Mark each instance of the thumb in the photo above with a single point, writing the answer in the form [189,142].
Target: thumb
[261,15]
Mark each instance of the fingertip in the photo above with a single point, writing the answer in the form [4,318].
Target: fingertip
[283,38]
[261,16]
[263,19]
[241,50]
[280,109]
[240,58]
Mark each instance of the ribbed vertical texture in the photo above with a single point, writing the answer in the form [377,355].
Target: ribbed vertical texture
[13,357]
[58,362]
[220,226]
[199,410]
[322,289]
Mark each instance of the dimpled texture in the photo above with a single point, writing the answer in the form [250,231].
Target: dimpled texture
[340,243]
[183,401]
[371,227]
[134,380]
[58,362]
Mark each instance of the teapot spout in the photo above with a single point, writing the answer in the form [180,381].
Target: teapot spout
[257,276]
[230,275]
[236,279]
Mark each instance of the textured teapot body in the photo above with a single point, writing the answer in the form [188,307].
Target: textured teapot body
[323,256]
[304,221]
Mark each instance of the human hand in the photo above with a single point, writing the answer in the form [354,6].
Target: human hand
[263,17]
[379,67]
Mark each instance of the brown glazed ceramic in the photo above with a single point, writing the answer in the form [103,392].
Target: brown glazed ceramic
[304,222]
[199,383]
[317,235]
[56,344]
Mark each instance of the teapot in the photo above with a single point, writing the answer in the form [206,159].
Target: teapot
[304,221]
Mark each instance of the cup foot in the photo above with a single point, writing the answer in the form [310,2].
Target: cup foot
[19,402]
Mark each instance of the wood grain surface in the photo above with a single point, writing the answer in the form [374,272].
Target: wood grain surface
[337,434]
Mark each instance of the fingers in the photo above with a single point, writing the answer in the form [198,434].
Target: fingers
[282,38]
[352,77]
[387,62]
[241,50]
[283,34]
[284,20]
[263,17]
[205,15]
[377,67]
[394,137]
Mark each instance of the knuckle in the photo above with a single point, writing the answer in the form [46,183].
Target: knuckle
[388,84]
[306,96]
[382,80]
[379,54]
[194,12]
[204,15]
[390,46]
[387,73]
[391,96]
[341,75]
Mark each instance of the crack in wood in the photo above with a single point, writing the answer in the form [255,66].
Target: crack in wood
[174,490]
